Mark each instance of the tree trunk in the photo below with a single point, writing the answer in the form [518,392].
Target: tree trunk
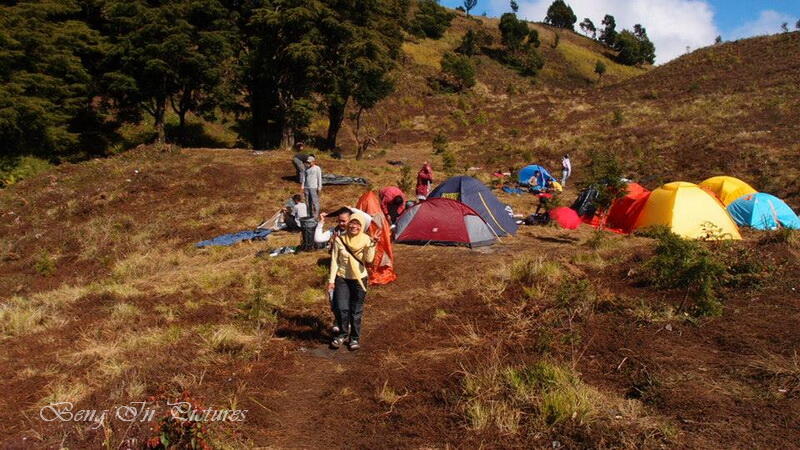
[287,136]
[158,115]
[335,118]
[258,121]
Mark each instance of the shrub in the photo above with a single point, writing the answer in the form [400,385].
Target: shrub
[180,429]
[12,170]
[683,264]
[431,20]
[458,71]
[449,162]
[440,142]
[406,181]
[44,264]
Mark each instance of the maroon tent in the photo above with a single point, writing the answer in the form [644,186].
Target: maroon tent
[443,221]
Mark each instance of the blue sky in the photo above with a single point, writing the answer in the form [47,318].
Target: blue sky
[673,25]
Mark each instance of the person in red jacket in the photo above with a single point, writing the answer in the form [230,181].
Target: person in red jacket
[393,202]
[424,181]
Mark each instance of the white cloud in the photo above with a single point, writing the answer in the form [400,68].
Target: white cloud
[672,25]
[768,22]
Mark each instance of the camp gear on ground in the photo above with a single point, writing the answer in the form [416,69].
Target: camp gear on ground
[274,223]
[566,217]
[763,212]
[350,296]
[624,211]
[424,181]
[584,204]
[232,238]
[330,179]
[478,197]
[382,269]
[308,226]
[688,211]
[282,251]
[512,190]
[556,186]
[727,189]
[443,221]
[537,219]
[524,175]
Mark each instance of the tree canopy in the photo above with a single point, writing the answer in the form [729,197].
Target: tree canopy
[560,15]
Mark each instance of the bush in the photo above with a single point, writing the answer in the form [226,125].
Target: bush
[431,20]
[449,162]
[683,264]
[406,181]
[439,142]
[12,170]
[458,71]
[472,42]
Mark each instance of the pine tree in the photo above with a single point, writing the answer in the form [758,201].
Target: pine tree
[46,57]
[560,15]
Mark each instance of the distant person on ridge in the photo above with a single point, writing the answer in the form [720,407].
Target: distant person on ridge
[424,181]
[312,185]
[299,160]
[566,170]
[351,253]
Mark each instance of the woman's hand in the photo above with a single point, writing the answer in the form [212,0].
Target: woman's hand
[330,286]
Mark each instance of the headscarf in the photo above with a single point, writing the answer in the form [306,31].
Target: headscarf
[357,245]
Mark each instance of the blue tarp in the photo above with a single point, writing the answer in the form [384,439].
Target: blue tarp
[527,172]
[477,196]
[232,238]
[512,190]
[763,212]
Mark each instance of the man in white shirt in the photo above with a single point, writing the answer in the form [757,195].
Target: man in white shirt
[312,185]
[566,170]
[341,224]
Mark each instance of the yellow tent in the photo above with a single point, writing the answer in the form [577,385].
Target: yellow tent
[688,211]
[727,189]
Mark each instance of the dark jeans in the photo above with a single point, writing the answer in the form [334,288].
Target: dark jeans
[349,300]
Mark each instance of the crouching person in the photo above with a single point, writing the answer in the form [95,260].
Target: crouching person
[351,252]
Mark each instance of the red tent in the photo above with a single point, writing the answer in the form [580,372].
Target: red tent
[625,210]
[382,269]
[443,221]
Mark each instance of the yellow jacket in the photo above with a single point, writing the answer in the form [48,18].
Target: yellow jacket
[343,265]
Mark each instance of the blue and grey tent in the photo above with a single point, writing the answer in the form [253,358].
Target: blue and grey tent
[477,196]
[763,212]
[527,172]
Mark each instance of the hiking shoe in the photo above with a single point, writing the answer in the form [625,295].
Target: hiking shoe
[353,345]
[335,329]
[337,342]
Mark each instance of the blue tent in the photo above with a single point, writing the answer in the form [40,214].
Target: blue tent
[527,172]
[763,211]
[477,196]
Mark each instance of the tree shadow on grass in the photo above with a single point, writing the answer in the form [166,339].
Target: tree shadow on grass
[193,135]
[302,327]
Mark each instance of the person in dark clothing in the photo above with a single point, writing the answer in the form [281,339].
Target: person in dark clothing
[396,206]
[298,160]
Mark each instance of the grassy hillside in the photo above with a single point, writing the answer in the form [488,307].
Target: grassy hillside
[549,338]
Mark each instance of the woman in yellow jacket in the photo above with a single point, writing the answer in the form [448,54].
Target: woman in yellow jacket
[351,253]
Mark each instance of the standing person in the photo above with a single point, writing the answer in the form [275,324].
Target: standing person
[312,185]
[566,170]
[327,236]
[299,160]
[424,181]
[350,255]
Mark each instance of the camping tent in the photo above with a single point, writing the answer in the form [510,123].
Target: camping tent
[727,189]
[477,196]
[624,211]
[443,221]
[763,211]
[527,172]
[381,271]
[688,211]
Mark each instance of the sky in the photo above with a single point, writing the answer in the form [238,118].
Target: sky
[672,25]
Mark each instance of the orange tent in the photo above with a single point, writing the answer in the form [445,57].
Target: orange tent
[624,211]
[382,269]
